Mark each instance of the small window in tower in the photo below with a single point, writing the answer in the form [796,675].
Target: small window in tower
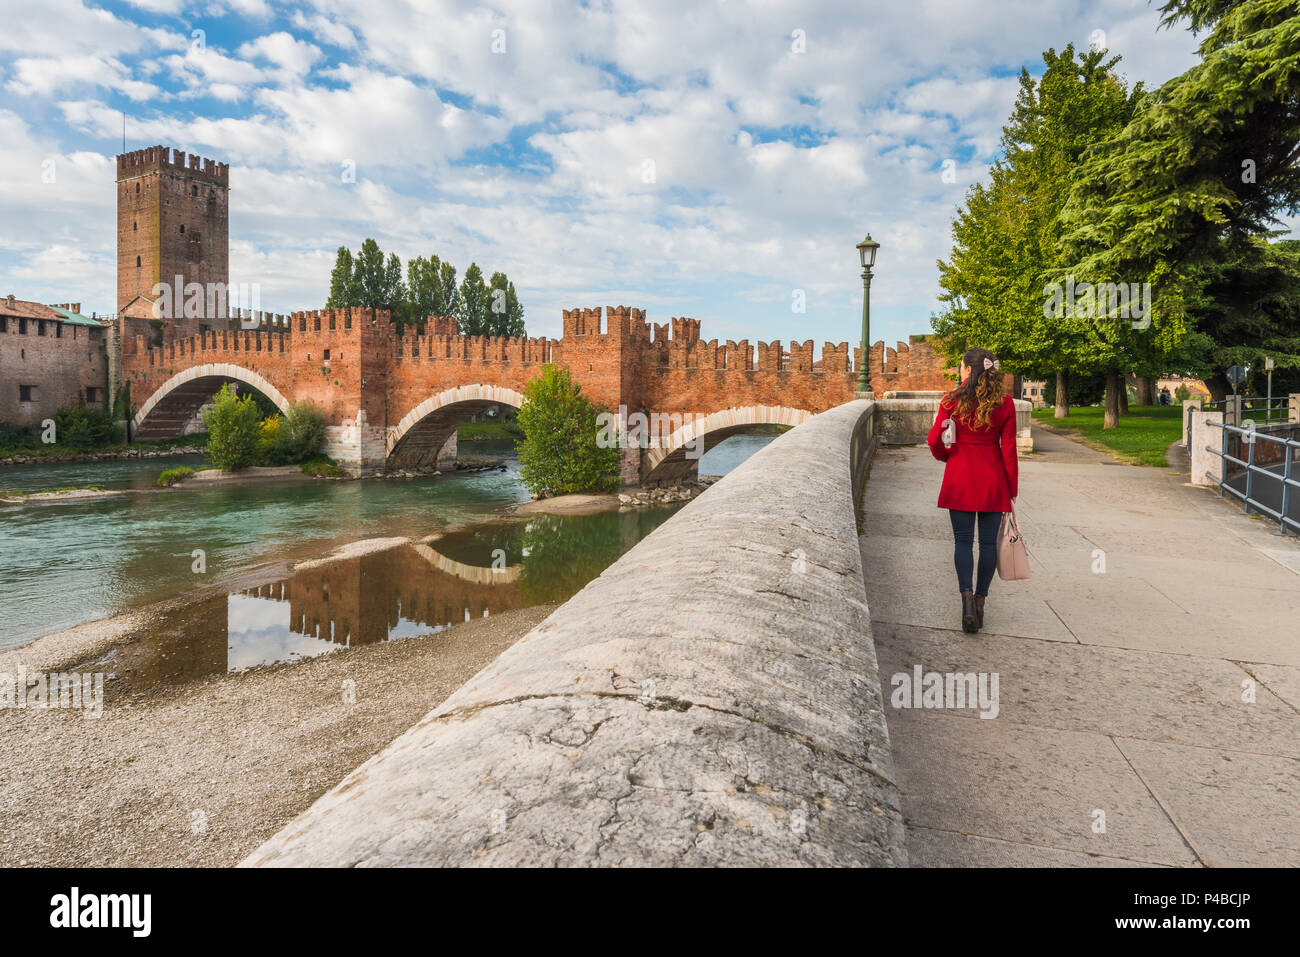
[26,393]
[137,260]
[182,229]
[327,355]
[137,189]
[134,227]
[194,191]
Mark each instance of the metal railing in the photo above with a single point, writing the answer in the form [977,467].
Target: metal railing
[1282,452]
[1255,408]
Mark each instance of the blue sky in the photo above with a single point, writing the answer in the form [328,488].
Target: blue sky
[708,159]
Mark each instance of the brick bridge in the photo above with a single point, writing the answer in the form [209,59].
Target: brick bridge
[394,400]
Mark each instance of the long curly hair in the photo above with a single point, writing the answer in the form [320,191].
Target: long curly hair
[975,400]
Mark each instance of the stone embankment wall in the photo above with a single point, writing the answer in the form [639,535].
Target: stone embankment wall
[712,698]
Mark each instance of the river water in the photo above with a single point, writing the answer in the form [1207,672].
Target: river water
[73,562]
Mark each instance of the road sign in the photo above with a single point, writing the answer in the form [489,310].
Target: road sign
[1235,375]
[1268,364]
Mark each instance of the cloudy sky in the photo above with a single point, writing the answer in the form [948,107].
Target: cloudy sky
[707,158]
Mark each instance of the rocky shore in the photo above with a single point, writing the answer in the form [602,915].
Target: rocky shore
[646,497]
[101,455]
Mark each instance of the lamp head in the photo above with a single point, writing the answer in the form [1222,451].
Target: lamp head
[867,251]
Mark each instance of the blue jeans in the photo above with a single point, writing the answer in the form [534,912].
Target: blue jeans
[963,536]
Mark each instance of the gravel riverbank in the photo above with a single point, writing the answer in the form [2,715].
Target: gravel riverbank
[200,774]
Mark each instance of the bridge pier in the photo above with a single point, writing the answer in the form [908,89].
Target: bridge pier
[357,446]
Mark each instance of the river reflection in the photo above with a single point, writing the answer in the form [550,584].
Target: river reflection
[399,593]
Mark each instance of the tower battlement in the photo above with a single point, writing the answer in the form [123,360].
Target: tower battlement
[157,158]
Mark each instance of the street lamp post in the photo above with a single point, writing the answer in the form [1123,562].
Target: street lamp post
[867,253]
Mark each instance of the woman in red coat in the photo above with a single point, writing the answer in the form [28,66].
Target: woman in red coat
[975,434]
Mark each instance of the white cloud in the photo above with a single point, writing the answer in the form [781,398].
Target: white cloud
[293,57]
[47,75]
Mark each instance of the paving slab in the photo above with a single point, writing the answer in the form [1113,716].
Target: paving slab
[1235,809]
[1032,786]
[933,847]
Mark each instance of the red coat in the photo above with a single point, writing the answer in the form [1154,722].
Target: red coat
[981,474]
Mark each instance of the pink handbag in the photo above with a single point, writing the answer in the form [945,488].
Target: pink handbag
[1013,557]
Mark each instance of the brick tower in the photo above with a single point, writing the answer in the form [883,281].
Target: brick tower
[172,220]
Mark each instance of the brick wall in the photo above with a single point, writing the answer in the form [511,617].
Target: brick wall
[58,366]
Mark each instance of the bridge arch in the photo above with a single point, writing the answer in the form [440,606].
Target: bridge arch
[175,402]
[673,460]
[415,441]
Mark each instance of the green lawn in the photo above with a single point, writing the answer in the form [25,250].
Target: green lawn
[489,430]
[1140,438]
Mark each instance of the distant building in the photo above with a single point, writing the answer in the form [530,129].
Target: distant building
[1032,389]
[51,357]
[1194,386]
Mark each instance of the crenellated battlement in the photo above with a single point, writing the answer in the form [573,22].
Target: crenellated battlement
[490,349]
[206,345]
[149,159]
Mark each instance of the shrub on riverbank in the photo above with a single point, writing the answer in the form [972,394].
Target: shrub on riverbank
[75,429]
[559,454]
[172,476]
[301,433]
[234,430]
[322,467]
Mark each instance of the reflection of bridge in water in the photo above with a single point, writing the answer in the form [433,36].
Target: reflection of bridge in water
[375,597]
[399,593]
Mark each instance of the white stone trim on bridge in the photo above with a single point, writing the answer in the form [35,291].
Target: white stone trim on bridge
[726,419]
[224,370]
[463,393]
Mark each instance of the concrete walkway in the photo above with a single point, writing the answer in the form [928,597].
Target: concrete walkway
[1121,737]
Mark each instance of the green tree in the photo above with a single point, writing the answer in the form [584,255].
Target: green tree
[1006,240]
[234,430]
[371,276]
[449,299]
[343,288]
[475,312]
[506,315]
[1199,178]
[422,289]
[559,453]
[395,299]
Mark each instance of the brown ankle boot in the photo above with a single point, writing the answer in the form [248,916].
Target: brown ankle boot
[969,620]
[979,610]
